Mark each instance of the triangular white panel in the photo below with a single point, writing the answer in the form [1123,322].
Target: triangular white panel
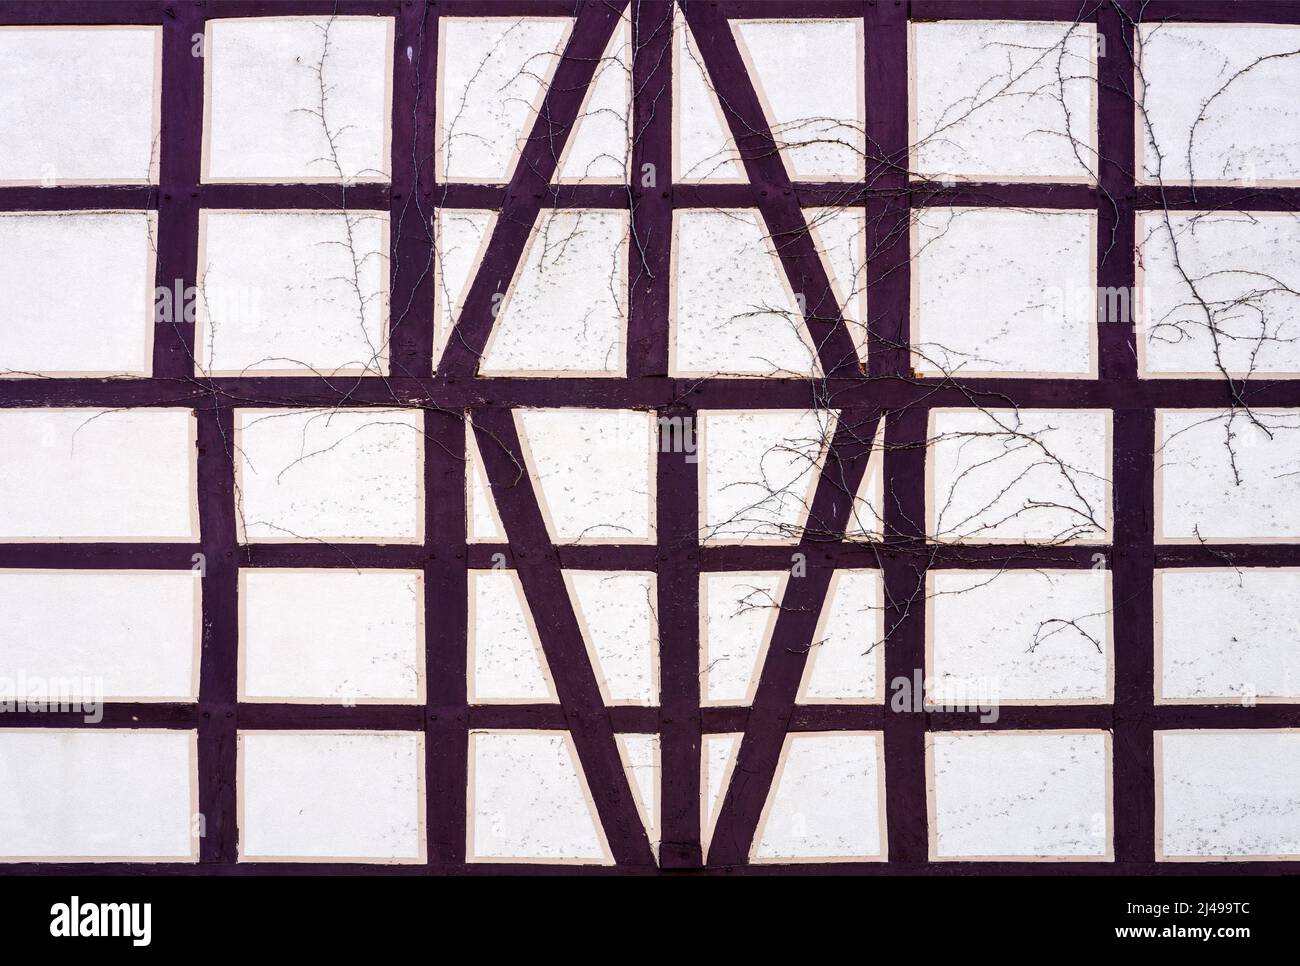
[641,761]
[617,612]
[840,235]
[494,73]
[760,472]
[529,801]
[867,516]
[846,663]
[733,311]
[825,801]
[507,665]
[482,522]
[718,758]
[459,241]
[599,145]
[808,76]
[738,612]
[593,470]
[565,312]
[703,149]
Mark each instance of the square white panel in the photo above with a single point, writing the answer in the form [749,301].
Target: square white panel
[86,475]
[1217,293]
[324,636]
[1227,634]
[1018,637]
[1020,795]
[1019,476]
[1215,103]
[997,100]
[847,662]
[296,293]
[331,795]
[99,796]
[79,105]
[297,99]
[506,663]
[1227,477]
[333,475]
[1004,292]
[79,292]
[125,635]
[1232,795]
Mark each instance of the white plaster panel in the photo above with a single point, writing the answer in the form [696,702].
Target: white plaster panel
[1001,291]
[999,100]
[566,310]
[84,475]
[759,469]
[292,293]
[1020,795]
[808,74]
[1010,476]
[1215,103]
[313,797]
[78,293]
[593,470]
[332,635]
[1228,634]
[733,312]
[298,99]
[333,475]
[1227,475]
[1019,636]
[827,800]
[529,801]
[1219,293]
[79,105]
[493,75]
[1228,795]
[96,796]
[127,635]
